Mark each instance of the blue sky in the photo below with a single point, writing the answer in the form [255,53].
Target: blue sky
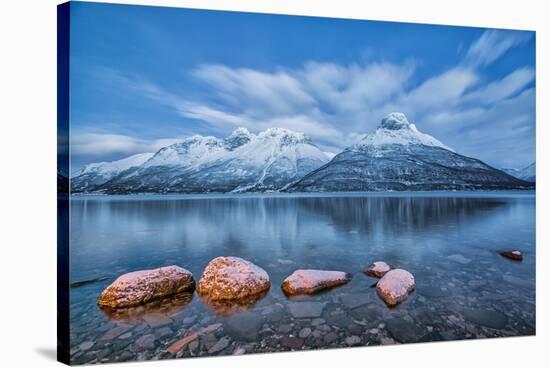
[144,77]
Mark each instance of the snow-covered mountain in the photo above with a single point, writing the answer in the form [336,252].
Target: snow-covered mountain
[528,173]
[399,157]
[240,162]
[95,174]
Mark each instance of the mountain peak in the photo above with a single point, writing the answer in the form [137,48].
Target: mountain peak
[285,136]
[238,137]
[240,131]
[395,121]
[395,129]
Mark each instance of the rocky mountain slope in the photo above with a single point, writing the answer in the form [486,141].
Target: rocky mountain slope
[398,157]
[93,175]
[528,173]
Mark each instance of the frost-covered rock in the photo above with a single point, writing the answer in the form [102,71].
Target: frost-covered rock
[309,281]
[377,269]
[398,157]
[232,278]
[395,286]
[513,255]
[142,286]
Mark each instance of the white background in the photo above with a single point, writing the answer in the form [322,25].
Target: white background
[28,181]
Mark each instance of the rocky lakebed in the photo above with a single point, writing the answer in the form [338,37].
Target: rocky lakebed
[155,304]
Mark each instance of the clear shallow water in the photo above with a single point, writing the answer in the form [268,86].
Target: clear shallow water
[475,295]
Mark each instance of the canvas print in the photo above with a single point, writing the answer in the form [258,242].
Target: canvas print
[233,183]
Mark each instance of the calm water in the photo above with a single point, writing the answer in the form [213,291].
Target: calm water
[450,242]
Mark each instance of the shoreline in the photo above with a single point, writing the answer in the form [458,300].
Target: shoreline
[352,194]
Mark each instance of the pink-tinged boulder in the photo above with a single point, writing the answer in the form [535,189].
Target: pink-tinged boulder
[377,269]
[309,281]
[232,278]
[142,286]
[513,255]
[395,286]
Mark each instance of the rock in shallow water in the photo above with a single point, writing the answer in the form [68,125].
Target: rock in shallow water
[306,309]
[309,281]
[292,342]
[232,278]
[377,269]
[145,342]
[489,318]
[220,345]
[244,326]
[513,255]
[459,259]
[304,333]
[405,331]
[395,286]
[353,340]
[140,287]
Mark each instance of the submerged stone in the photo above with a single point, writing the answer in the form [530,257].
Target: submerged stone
[306,309]
[145,342]
[142,286]
[220,345]
[405,331]
[459,259]
[489,318]
[244,326]
[292,342]
[353,340]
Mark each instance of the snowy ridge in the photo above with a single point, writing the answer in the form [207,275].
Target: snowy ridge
[114,167]
[243,161]
[192,151]
[262,148]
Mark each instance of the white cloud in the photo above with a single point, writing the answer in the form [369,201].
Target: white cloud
[502,88]
[493,44]
[99,144]
[324,100]
[256,92]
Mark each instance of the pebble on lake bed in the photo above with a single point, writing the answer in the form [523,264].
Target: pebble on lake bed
[395,286]
[513,255]
[232,278]
[142,286]
[309,281]
[377,269]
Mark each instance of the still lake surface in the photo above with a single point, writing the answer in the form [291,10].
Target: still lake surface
[449,241]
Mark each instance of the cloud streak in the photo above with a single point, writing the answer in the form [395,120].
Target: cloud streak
[492,45]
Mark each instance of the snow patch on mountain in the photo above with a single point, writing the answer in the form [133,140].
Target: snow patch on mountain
[396,129]
[191,151]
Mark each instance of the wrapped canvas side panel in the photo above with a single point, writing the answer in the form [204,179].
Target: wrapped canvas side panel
[63,169]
